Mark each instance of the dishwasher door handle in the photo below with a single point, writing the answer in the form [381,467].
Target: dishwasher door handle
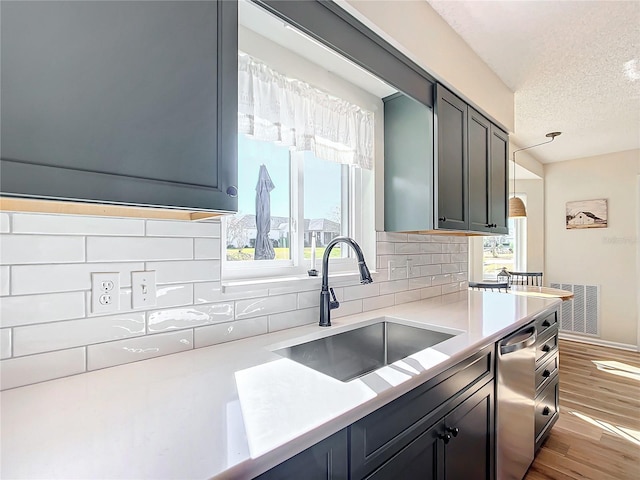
[519,341]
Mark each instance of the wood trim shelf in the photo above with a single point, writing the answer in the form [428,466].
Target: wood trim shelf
[78,208]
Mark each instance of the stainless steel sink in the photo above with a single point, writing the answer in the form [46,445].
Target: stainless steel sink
[351,354]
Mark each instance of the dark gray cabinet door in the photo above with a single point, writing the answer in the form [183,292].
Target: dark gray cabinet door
[479,172]
[120,102]
[327,460]
[488,165]
[421,459]
[499,180]
[452,161]
[469,453]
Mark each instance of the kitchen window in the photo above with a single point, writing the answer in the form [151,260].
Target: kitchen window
[305,159]
[506,251]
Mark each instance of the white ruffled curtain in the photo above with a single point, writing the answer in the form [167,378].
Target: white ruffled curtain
[275,108]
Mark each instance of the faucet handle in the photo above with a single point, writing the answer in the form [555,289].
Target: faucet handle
[334,303]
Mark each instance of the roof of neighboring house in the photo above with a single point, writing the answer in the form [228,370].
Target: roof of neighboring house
[321,225]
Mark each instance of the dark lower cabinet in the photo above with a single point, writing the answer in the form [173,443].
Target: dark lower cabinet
[469,452]
[422,458]
[327,460]
[458,447]
[442,429]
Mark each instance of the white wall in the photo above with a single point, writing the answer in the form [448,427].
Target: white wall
[605,256]
[534,192]
[419,32]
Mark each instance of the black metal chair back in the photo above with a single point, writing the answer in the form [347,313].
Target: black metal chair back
[489,286]
[525,278]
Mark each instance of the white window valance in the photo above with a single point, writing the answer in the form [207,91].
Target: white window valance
[275,108]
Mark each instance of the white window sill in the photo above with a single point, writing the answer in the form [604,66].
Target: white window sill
[248,285]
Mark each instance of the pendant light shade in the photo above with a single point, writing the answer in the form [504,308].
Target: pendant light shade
[516,208]
[516,205]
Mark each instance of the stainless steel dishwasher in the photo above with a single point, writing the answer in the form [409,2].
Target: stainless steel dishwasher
[515,415]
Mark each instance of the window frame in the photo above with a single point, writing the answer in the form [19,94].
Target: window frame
[297,265]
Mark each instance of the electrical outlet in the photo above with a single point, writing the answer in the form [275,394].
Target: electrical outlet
[143,289]
[105,292]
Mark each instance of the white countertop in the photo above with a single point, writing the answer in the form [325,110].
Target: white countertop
[232,410]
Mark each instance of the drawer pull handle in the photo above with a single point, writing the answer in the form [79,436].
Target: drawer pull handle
[453,431]
[445,437]
[546,348]
[442,219]
[546,411]
[546,323]
[546,373]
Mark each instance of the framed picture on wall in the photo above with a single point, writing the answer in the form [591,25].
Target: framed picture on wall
[587,214]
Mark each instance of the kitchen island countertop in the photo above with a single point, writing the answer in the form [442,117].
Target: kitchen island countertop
[232,410]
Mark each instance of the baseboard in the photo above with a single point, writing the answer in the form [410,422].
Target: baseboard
[597,341]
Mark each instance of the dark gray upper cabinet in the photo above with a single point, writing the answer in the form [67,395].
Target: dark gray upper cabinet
[120,102]
[488,167]
[499,168]
[452,171]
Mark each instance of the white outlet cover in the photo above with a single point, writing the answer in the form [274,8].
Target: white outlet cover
[143,289]
[105,292]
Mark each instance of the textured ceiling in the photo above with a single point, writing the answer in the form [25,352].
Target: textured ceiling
[574,67]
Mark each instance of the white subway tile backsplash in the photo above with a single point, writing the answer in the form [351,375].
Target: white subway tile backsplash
[211,292]
[161,228]
[309,299]
[407,247]
[347,308]
[5,223]
[265,306]
[392,237]
[420,282]
[431,248]
[5,281]
[110,354]
[45,286]
[5,343]
[361,291]
[418,237]
[17,249]
[442,279]
[174,295]
[187,271]
[29,309]
[409,296]
[227,332]
[188,317]
[76,225]
[207,248]
[295,318]
[394,286]
[120,249]
[430,292]
[28,279]
[74,333]
[427,270]
[16,372]
[450,288]
[450,268]
[374,303]
[385,248]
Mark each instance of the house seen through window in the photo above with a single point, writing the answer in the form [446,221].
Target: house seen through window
[505,251]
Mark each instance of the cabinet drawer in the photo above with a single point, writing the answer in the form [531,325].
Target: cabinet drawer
[545,322]
[547,408]
[546,345]
[383,433]
[546,372]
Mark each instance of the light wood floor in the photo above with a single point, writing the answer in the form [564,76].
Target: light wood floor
[597,436]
